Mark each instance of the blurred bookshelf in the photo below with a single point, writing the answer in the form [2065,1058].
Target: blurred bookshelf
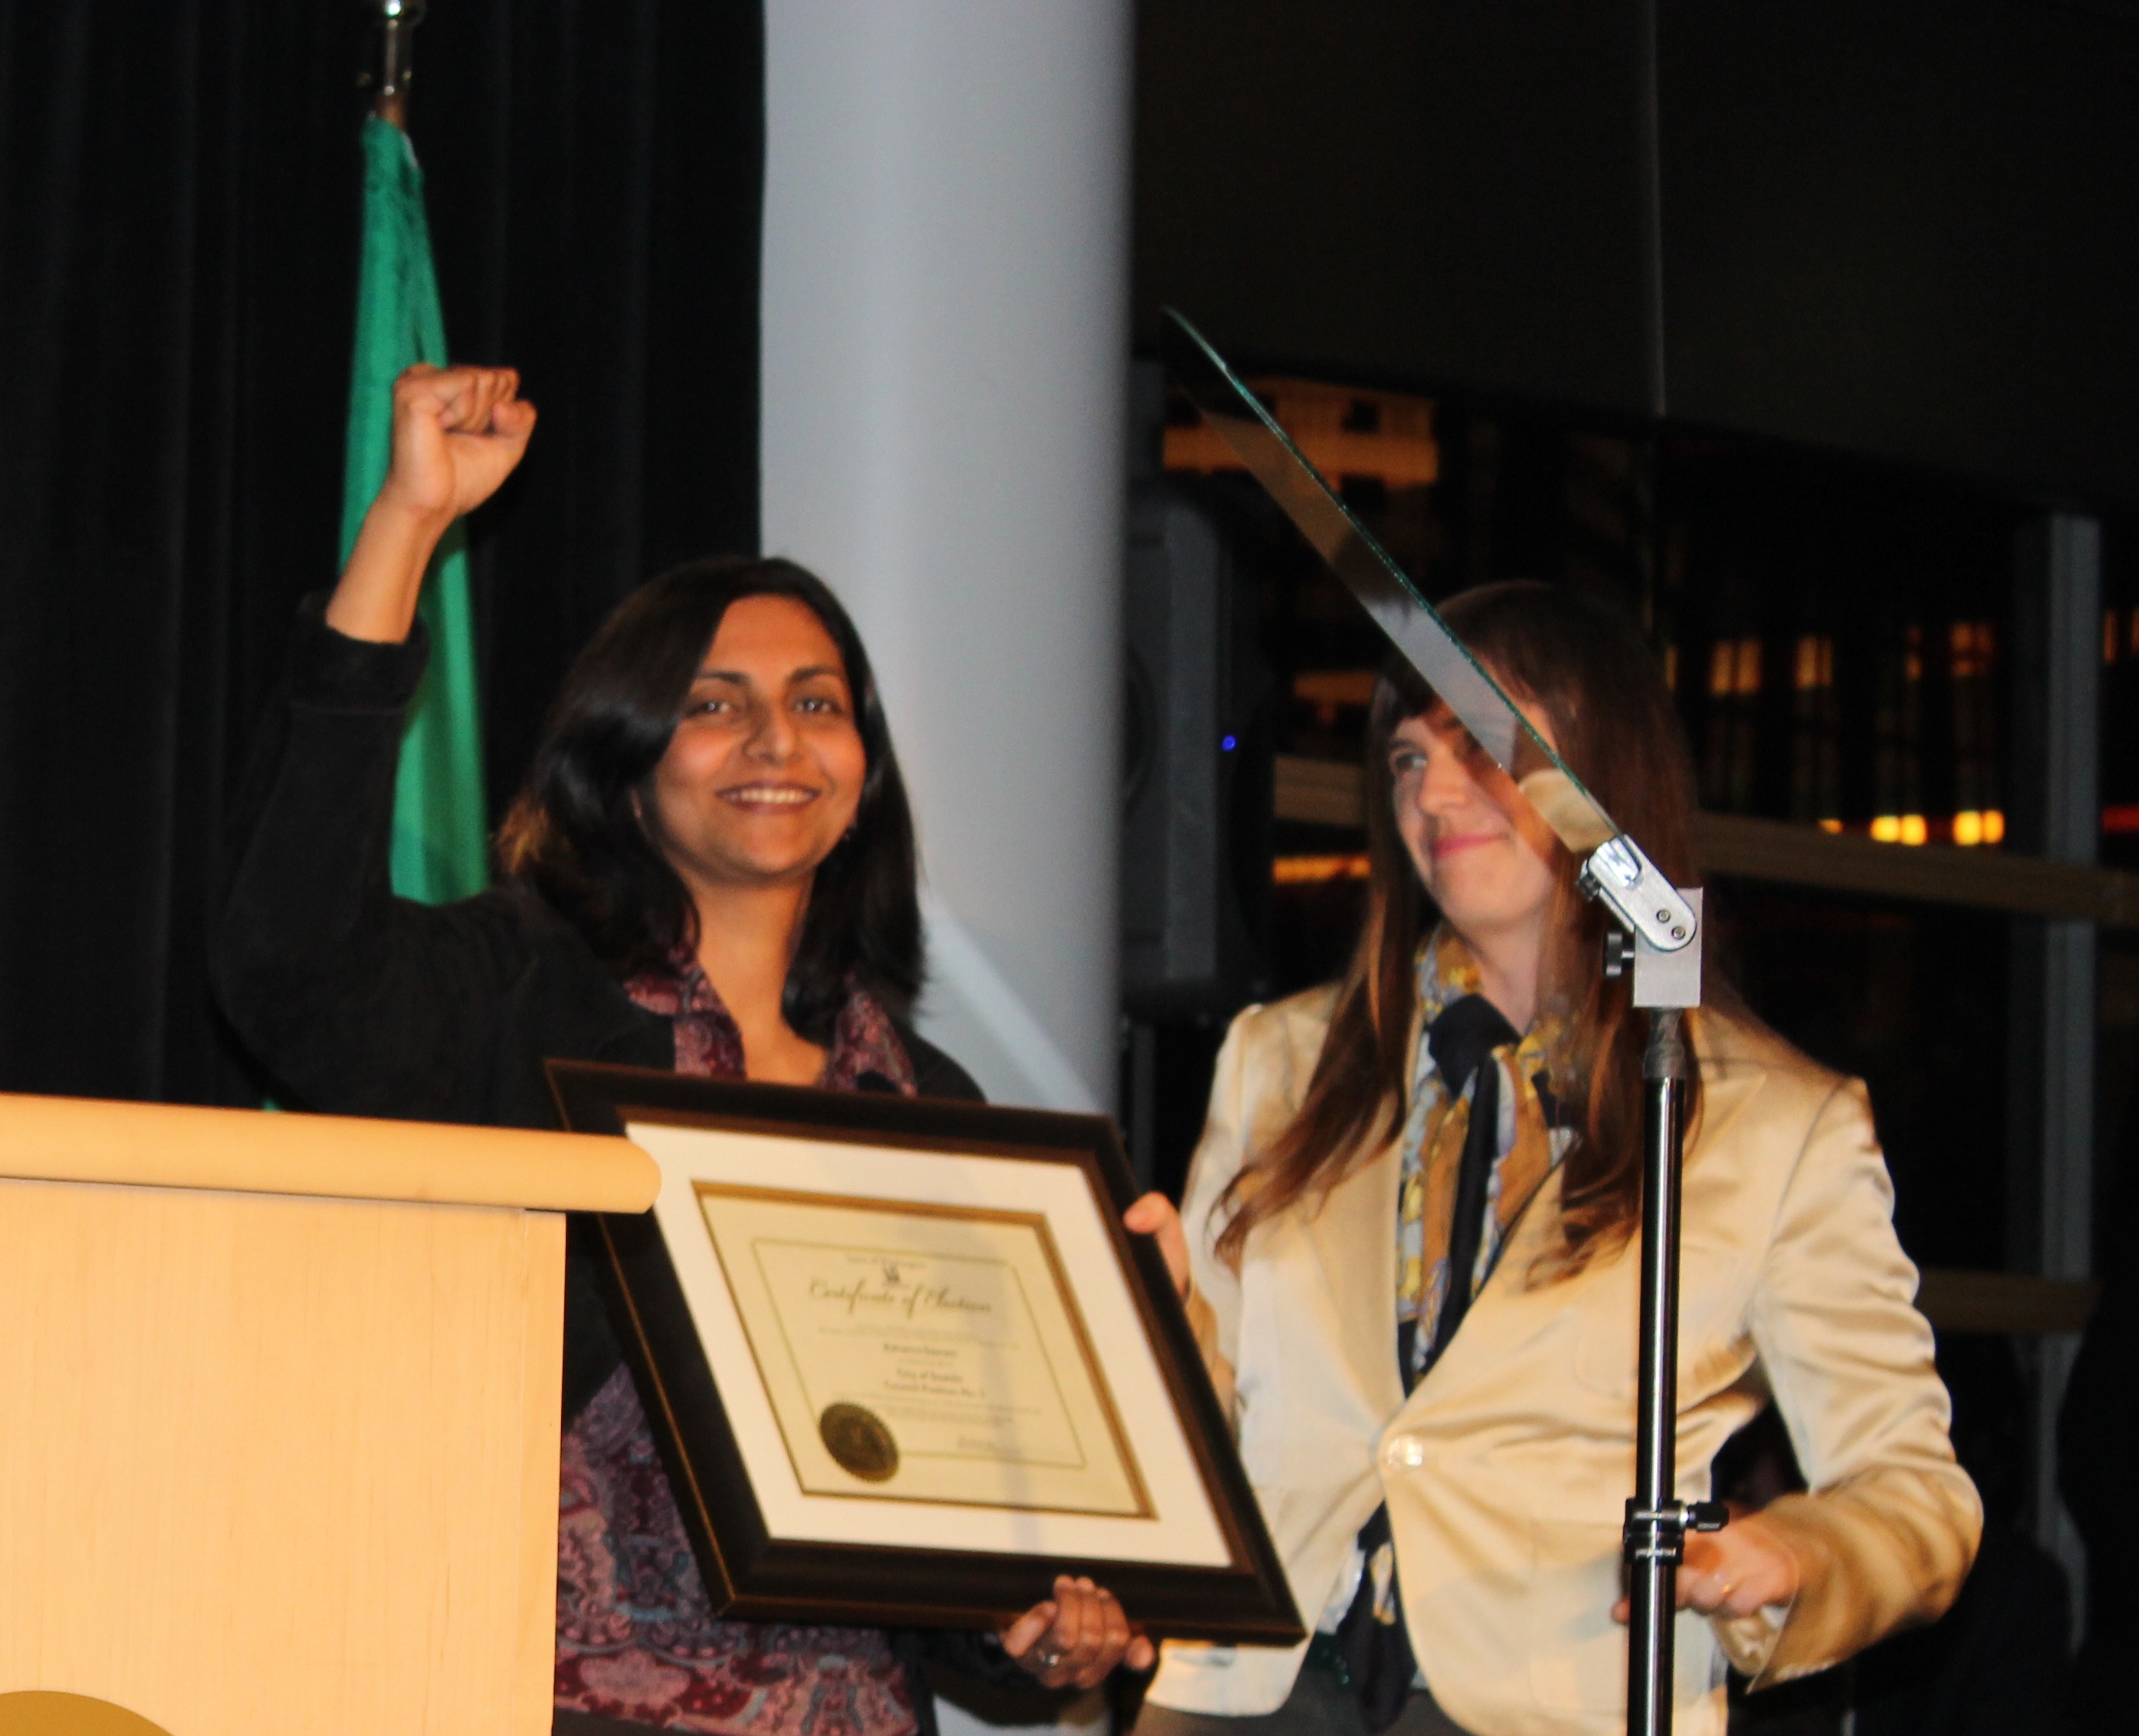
[1332,793]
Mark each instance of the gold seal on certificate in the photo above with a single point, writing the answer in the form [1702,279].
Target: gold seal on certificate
[927,1352]
[859,1439]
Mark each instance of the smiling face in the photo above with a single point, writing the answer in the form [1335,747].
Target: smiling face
[1484,856]
[764,774]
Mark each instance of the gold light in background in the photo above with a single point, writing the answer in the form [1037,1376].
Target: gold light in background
[1734,668]
[1318,870]
[1815,662]
[1973,649]
[1328,691]
[1344,432]
[1815,747]
[2120,633]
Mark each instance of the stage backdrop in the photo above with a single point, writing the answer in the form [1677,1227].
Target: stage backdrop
[179,186]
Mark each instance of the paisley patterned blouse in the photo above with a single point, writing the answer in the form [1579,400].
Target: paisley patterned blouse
[636,1635]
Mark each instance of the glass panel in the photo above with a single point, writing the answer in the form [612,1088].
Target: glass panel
[1383,589]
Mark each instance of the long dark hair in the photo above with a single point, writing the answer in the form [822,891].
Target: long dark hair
[574,834]
[1613,720]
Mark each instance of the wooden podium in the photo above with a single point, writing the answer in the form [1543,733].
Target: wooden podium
[279,1415]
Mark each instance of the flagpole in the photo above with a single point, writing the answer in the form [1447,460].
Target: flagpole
[397,20]
[439,849]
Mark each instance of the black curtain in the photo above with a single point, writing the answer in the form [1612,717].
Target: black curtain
[180,193]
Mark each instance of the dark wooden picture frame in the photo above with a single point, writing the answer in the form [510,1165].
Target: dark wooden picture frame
[752,1574]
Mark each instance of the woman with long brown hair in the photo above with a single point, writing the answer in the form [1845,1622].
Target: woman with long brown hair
[1408,1244]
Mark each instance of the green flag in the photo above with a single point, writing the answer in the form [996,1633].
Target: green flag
[439,848]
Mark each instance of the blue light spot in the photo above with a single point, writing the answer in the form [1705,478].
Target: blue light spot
[1226,743]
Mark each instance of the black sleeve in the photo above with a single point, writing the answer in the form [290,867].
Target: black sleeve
[356,1002]
[1009,1695]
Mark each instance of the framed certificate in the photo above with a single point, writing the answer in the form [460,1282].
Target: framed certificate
[904,1365]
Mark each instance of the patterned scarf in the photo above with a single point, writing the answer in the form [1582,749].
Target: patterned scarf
[1449,1205]
[864,1042]
[1530,1143]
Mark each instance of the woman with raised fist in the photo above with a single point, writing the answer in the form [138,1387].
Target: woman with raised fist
[710,868]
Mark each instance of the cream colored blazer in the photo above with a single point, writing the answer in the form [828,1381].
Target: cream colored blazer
[1506,1470]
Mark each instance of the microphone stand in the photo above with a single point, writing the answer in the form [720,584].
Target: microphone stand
[1653,1542]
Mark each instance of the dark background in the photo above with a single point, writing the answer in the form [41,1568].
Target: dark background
[180,196]
[1901,232]
[1901,228]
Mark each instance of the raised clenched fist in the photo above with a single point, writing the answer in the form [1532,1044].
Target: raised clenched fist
[458,433]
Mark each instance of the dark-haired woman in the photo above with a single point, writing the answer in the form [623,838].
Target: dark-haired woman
[711,869]
[1408,1245]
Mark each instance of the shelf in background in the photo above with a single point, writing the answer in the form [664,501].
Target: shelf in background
[1321,792]
[1775,850]
[1330,793]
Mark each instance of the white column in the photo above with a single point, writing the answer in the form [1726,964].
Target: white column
[945,350]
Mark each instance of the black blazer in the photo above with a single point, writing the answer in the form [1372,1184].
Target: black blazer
[360,1003]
